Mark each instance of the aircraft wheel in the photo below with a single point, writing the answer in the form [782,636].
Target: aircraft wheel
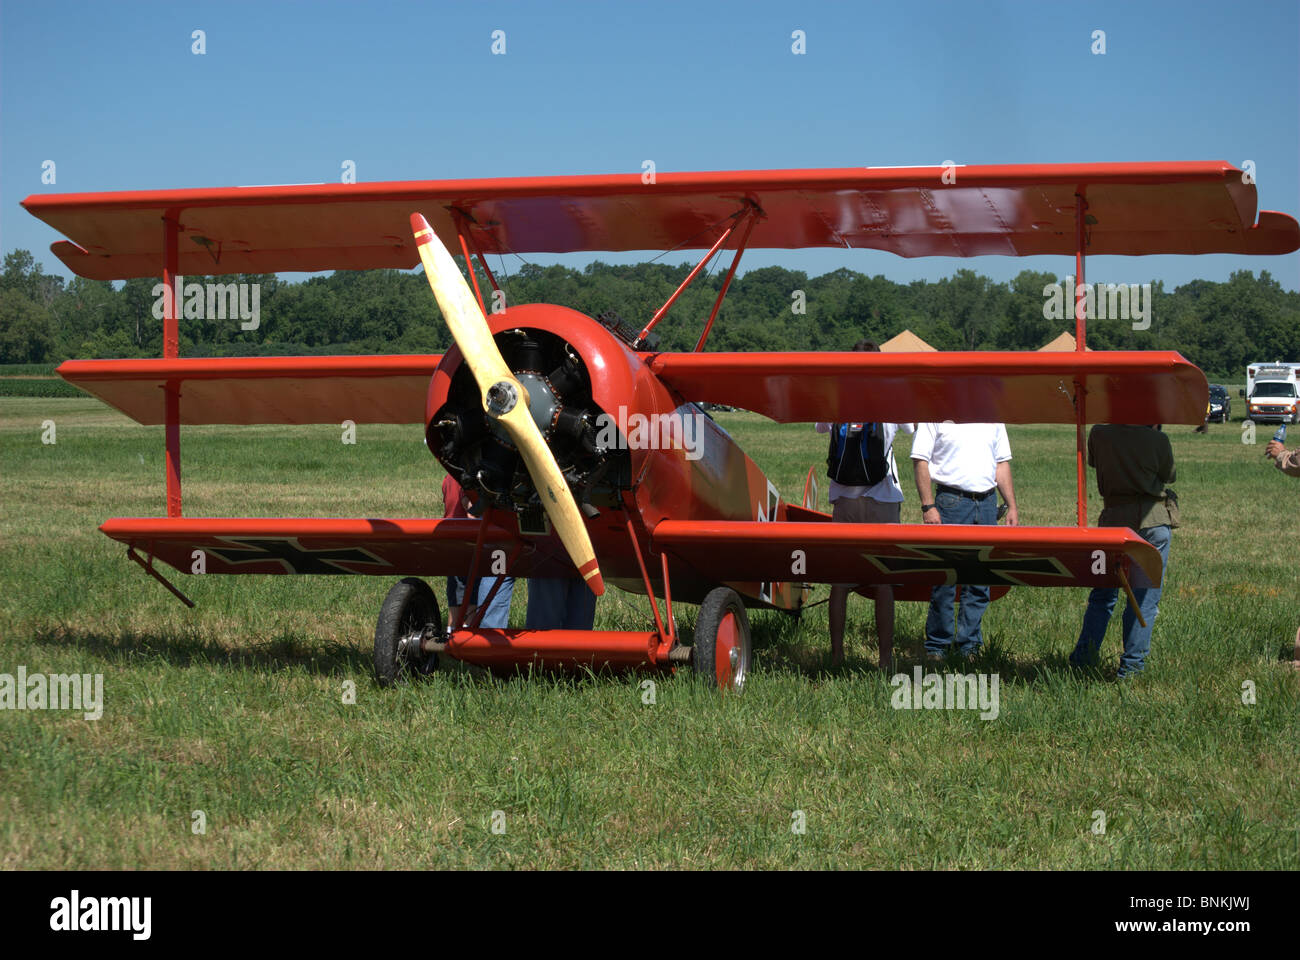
[722,649]
[408,609]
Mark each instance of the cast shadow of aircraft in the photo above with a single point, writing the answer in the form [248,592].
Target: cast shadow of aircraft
[193,648]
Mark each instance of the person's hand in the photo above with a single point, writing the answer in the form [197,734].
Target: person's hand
[932,515]
[1013,517]
[1274,449]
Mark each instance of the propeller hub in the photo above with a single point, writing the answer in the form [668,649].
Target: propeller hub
[501,398]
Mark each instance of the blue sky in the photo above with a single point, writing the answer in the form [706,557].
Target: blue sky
[287,91]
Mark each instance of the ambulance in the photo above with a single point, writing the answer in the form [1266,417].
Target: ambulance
[1273,392]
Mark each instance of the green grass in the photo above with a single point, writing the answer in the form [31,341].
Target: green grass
[235,708]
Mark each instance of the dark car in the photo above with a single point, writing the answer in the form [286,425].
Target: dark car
[1220,405]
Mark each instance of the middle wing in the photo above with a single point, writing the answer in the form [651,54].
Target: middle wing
[1140,386]
[364,389]
[910,554]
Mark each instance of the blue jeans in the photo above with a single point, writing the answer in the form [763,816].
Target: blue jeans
[560,603]
[1101,601]
[939,623]
[455,591]
[497,616]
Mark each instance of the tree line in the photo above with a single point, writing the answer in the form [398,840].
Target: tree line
[1218,326]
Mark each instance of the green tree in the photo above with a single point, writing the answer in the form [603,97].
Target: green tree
[25,329]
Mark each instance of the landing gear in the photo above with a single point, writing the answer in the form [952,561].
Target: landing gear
[722,646]
[409,614]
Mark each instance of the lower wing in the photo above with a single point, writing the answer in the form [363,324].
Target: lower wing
[911,554]
[387,547]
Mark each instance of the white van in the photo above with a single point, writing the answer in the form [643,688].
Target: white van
[1274,400]
[1269,371]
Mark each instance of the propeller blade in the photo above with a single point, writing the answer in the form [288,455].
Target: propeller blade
[504,398]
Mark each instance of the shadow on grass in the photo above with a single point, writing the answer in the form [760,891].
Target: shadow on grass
[288,651]
[783,646]
[192,648]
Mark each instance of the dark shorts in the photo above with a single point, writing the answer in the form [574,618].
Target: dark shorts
[864,510]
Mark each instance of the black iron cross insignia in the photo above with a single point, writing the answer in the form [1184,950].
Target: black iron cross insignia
[971,565]
[294,557]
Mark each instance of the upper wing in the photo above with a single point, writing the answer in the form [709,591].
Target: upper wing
[1012,210]
[973,387]
[364,389]
[909,554]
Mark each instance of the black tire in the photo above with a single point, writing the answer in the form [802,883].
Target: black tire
[722,610]
[408,608]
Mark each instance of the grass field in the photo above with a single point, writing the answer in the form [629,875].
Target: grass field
[237,708]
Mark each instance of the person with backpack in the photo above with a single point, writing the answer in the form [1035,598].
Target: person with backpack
[959,469]
[864,488]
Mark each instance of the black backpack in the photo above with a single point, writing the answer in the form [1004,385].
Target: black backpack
[860,460]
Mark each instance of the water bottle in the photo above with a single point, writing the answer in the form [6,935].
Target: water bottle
[1279,436]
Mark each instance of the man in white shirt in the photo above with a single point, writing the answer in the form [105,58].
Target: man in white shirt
[967,464]
[858,451]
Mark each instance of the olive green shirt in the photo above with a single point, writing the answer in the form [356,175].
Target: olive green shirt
[1133,463]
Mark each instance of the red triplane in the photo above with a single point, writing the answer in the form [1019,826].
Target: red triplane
[638,486]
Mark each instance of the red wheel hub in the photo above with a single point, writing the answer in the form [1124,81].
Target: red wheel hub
[727,650]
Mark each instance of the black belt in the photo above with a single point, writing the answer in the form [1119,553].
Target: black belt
[1124,499]
[944,488]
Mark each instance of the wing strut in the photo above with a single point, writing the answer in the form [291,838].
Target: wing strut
[739,217]
[1128,592]
[172,350]
[1080,345]
[148,568]
[466,237]
[731,273]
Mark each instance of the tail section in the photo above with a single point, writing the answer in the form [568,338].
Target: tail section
[810,489]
